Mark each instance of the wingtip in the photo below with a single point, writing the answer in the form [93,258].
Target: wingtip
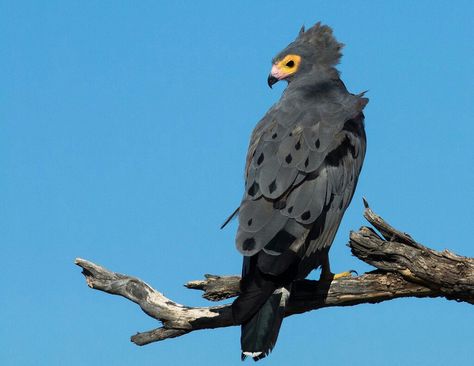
[229,219]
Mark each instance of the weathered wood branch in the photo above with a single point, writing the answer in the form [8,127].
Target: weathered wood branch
[405,269]
[451,275]
[306,295]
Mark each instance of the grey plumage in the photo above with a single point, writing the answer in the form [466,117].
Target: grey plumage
[303,162]
[297,150]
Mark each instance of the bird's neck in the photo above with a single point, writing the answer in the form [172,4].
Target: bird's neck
[319,84]
[317,76]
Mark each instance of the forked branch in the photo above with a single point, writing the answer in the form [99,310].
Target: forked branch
[405,269]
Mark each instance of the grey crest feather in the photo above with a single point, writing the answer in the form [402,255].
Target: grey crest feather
[321,38]
[301,31]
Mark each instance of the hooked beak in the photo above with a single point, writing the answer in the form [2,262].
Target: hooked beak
[271,80]
[275,75]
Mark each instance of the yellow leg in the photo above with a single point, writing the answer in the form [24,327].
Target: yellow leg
[327,275]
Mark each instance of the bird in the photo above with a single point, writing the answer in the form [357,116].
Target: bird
[302,167]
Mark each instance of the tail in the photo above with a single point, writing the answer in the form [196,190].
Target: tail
[260,332]
[260,307]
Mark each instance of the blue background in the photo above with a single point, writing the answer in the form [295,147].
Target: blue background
[123,133]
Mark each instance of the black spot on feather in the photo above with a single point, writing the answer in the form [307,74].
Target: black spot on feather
[260,159]
[288,158]
[253,189]
[281,241]
[248,244]
[272,187]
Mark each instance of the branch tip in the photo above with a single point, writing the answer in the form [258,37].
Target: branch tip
[366,204]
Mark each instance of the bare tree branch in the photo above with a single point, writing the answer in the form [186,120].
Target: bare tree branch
[406,269]
[445,272]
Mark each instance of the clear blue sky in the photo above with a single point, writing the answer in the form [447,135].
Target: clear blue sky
[123,133]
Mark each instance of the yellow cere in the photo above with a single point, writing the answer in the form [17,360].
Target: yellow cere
[289,64]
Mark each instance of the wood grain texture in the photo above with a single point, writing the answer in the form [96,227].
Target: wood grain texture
[405,268]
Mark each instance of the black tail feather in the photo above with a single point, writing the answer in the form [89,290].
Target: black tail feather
[260,333]
[255,289]
[260,308]
[253,297]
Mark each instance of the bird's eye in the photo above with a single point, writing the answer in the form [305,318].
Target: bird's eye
[289,64]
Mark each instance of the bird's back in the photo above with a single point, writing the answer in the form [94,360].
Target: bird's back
[302,166]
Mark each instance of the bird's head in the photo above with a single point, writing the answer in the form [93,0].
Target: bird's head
[314,51]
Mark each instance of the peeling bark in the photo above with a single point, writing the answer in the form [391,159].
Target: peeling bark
[405,269]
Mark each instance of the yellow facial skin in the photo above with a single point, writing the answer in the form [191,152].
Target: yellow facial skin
[288,65]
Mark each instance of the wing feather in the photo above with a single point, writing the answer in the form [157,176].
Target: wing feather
[295,174]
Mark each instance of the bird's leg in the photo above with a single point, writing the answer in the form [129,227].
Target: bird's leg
[326,274]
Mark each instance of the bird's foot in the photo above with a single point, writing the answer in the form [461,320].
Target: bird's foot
[344,274]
